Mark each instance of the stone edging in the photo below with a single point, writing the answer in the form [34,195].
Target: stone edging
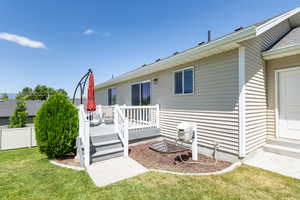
[67,166]
[228,169]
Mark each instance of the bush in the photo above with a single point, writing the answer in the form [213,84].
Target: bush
[19,118]
[56,126]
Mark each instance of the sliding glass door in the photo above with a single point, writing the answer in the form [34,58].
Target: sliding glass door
[141,94]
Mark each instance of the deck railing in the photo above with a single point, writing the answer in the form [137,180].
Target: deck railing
[121,127]
[141,117]
[125,119]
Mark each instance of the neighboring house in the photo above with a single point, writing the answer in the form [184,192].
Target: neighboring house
[8,107]
[241,89]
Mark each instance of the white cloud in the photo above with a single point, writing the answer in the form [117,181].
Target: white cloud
[89,32]
[106,34]
[24,41]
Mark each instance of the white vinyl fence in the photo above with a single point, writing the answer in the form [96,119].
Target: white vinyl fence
[13,138]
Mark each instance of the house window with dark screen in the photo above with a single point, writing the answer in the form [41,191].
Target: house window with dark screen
[141,93]
[112,96]
[184,81]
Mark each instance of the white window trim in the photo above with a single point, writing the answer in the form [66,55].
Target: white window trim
[182,69]
[140,82]
[108,95]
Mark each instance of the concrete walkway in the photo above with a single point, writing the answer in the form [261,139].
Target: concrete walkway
[284,165]
[110,171]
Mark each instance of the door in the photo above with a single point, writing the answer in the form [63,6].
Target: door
[140,94]
[289,103]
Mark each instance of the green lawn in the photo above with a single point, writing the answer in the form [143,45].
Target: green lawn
[26,174]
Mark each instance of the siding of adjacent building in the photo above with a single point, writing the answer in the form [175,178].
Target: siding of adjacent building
[213,106]
[272,65]
[256,98]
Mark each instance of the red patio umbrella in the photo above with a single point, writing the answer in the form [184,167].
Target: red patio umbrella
[91,105]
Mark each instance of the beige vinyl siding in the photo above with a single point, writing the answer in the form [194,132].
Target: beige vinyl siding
[101,96]
[255,97]
[272,65]
[213,106]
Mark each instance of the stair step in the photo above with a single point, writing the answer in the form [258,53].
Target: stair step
[107,157]
[283,150]
[104,138]
[284,142]
[107,151]
[105,143]
[107,154]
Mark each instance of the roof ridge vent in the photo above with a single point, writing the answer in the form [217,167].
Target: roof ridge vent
[238,29]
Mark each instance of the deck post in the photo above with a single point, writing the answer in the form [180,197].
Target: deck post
[157,115]
[87,143]
[126,137]
[84,134]
[195,144]
[116,127]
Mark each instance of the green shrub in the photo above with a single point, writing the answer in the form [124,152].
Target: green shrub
[19,118]
[56,126]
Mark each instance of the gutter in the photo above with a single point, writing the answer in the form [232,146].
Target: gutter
[281,52]
[222,44]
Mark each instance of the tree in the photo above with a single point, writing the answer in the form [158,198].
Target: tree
[62,91]
[19,117]
[40,92]
[4,96]
[56,126]
[25,94]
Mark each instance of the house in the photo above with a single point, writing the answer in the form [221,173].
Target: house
[241,89]
[8,107]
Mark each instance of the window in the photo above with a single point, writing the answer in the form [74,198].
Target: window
[112,96]
[184,81]
[140,93]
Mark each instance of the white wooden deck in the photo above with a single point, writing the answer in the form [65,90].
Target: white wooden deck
[103,129]
[107,129]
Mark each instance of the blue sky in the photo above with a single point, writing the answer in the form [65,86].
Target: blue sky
[54,42]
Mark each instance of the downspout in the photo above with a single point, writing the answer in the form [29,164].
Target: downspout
[242,102]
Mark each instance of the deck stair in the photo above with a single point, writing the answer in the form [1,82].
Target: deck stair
[104,147]
[285,147]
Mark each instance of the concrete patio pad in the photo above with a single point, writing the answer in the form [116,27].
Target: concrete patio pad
[110,171]
[284,165]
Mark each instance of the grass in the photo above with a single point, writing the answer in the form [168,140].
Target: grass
[26,174]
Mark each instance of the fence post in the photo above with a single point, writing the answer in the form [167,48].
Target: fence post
[157,115]
[0,138]
[30,137]
[195,144]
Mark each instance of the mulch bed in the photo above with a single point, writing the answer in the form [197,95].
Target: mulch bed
[68,159]
[155,160]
